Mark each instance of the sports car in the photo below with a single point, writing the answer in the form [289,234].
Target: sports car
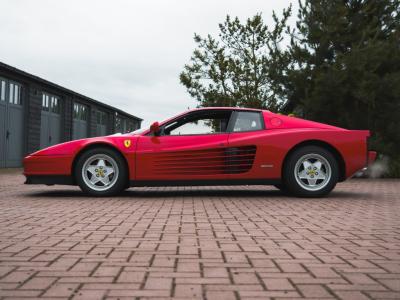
[209,146]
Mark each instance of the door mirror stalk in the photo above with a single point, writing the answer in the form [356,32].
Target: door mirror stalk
[155,128]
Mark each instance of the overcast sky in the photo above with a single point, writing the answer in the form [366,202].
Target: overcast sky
[124,53]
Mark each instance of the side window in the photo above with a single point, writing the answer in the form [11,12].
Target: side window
[212,122]
[248,121]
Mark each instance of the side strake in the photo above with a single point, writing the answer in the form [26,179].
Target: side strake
[231,160]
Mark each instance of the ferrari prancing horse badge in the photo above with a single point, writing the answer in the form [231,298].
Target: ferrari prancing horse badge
[127,143]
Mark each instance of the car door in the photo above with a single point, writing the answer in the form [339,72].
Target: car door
[190,147]
[247,141]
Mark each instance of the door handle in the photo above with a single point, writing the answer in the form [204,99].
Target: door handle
[7,134]
[49,138]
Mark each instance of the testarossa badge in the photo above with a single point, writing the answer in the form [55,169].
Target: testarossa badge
[127,143]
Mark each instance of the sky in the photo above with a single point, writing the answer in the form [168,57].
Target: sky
[127,54]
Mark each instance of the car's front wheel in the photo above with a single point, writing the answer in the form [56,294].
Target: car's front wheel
[281,187]
[101,172]
[310,171]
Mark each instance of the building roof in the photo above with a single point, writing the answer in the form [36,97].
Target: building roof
[54,85]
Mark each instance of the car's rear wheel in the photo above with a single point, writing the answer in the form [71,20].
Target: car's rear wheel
[310,171]
[101,172]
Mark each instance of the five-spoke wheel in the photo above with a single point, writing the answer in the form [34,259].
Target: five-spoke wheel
[310,171]
[101,172]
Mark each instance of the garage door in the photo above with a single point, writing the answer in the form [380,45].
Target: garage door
[101,123]
[80,122]
[50,127]
[11,124]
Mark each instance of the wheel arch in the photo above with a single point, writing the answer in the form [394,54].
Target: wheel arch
[93,146]
[338,156]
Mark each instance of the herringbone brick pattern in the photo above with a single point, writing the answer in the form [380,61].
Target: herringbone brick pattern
[199,243]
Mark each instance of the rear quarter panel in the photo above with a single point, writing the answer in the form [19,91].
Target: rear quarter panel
[274,144]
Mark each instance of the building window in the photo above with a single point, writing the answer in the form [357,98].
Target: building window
[14,95]
[76,111]
[123,125]
[2,90]
[131,126]
[51,103]
[80,112]
[101,118]
[10,91]
[55,105]
[45,102]
[118,124]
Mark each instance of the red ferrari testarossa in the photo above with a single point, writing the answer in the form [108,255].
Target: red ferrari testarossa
[209,146]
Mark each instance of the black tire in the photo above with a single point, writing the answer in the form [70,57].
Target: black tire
[300,187]
[281,187]
[119,184]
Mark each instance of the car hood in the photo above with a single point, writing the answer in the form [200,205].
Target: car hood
[118,141]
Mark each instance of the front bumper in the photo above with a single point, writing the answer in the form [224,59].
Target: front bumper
[49,179]
[47,165]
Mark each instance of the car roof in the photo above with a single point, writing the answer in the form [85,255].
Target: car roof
[226,108]
[208,108]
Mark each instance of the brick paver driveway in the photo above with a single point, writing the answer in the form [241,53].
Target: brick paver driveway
[208,243]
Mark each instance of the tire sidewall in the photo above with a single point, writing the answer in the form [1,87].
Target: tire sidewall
[289,177]
[119,185]
[281,186]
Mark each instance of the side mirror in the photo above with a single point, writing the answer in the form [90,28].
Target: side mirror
[155,128]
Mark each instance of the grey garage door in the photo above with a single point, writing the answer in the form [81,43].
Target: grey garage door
[50,126]
[80,122]
[101,123]
[11,124]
